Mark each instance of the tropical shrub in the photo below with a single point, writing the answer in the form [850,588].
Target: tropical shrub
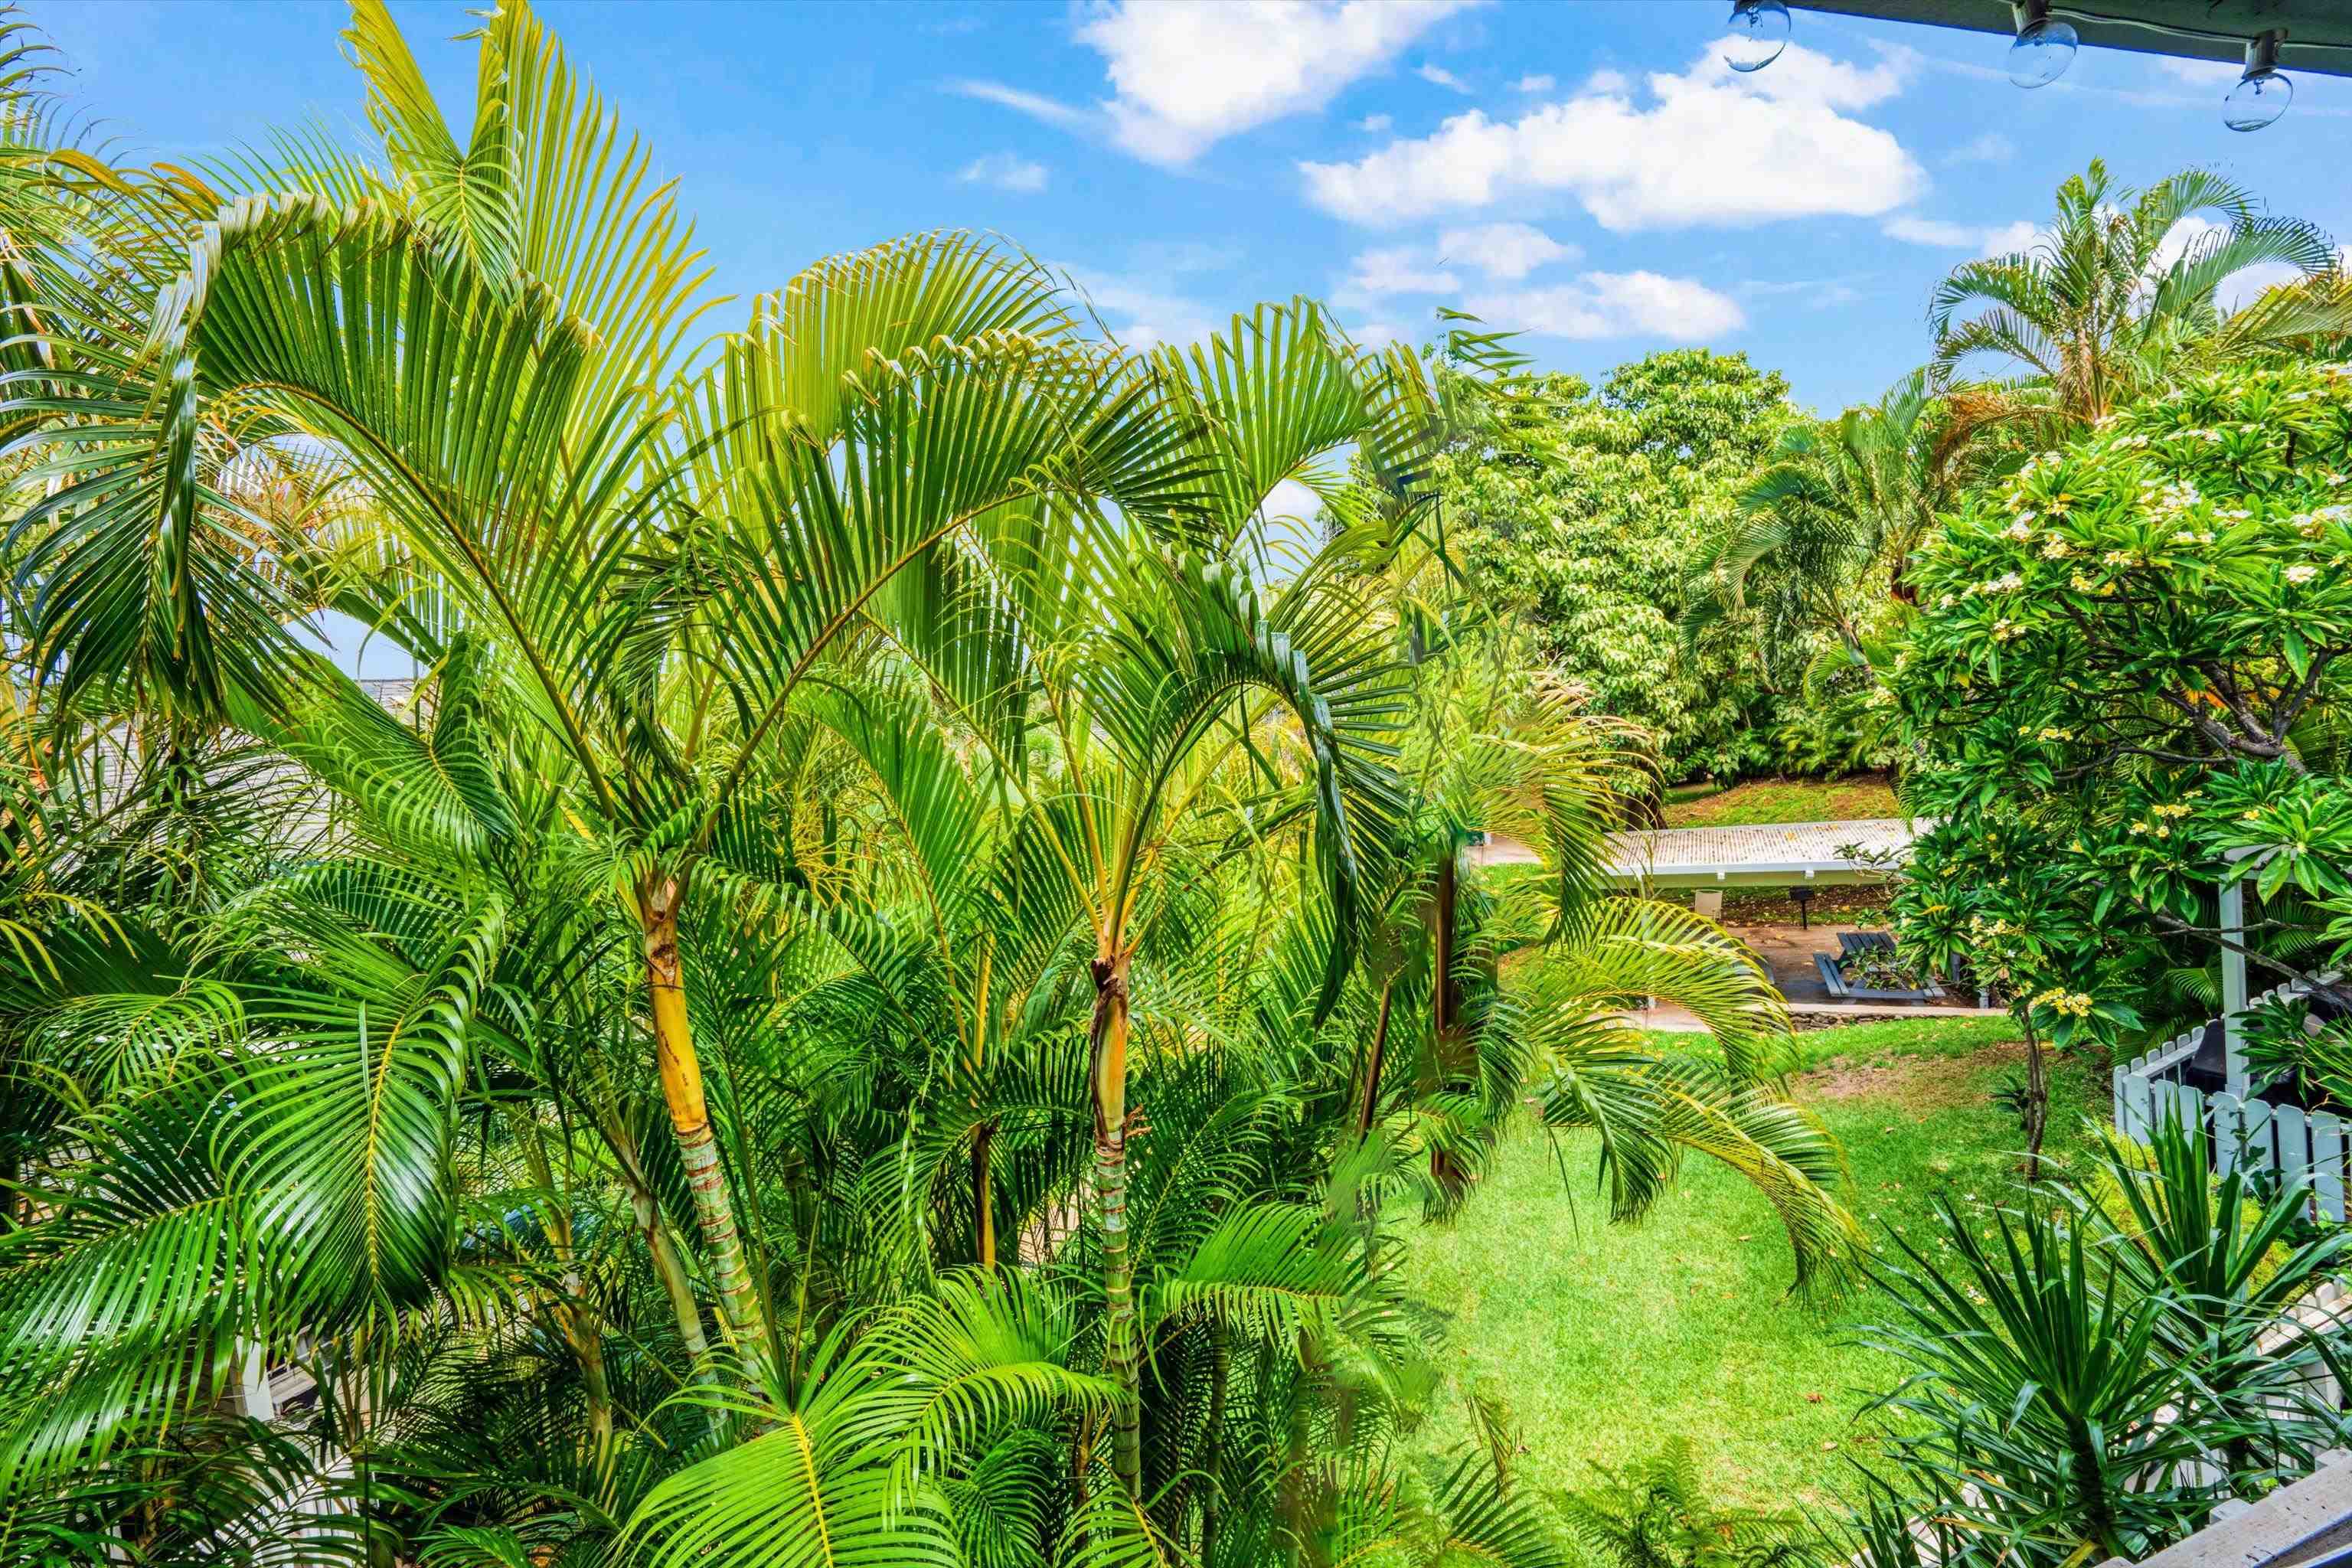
[2090,1377]
[1658,1515]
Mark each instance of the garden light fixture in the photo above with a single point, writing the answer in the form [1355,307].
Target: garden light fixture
[2262,94]
[1755,34]
[2044,45]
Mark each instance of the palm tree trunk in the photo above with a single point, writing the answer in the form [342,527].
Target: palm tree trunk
[1122,1358]
[739,1307]
[587,1340]
[1212,1499]
[983,1197]
[1371,1101]
[1444,1004]
[671,1270]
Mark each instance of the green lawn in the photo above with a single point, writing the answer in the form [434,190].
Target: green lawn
[1605,1341]
[1788,800]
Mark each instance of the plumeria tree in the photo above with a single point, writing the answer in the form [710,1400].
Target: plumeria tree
[2125,687]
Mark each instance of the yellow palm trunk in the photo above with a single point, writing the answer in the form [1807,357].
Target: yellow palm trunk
[740,1309]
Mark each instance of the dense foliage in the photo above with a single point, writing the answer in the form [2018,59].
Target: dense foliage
[886,994]
[2125,688]
[2090,1374]
[1583,510]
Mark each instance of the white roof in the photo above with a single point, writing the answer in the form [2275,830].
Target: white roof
[1781,851]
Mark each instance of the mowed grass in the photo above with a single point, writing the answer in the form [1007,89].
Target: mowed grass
[1605,1341]
[1788,800]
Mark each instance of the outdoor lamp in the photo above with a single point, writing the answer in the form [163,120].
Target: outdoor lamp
[2044,45]
[1755,35]
[2262,94]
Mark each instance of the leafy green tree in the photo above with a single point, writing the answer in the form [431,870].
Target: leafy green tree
[2125,686]
[842,1019]
[1587,511]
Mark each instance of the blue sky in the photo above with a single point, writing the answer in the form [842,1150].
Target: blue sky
[1585,171]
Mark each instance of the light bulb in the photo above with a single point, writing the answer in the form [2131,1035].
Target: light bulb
[1755,35]
[2263,94]
[2043,49]
[2259,98]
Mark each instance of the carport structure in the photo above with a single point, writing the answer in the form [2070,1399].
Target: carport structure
[1707,861]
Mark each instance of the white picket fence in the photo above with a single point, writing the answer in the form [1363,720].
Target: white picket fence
[2280,1138]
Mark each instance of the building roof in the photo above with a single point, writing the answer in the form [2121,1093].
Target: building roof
[1781,854]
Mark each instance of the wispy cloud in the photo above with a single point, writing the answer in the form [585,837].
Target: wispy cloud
[1007,172]
[1035,105]
[1981,239]
[1600,305]
[1439,76]
[1991,147]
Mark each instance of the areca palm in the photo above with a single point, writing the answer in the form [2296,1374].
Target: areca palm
[489,343]
[2124,284]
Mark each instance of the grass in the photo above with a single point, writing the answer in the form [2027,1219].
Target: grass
[1788,800]
[1605,1341]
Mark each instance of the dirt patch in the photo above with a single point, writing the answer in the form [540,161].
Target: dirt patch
[1919,1083]
[1773,905]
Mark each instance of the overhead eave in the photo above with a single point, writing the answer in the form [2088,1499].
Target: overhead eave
[2318,32]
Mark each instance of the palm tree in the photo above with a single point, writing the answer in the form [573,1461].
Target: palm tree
[490,343]
[2123,288]
[1835,503]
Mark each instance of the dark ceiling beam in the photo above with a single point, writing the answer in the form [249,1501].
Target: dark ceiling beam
[2318,32]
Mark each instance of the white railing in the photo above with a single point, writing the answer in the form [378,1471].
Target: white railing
[2286,1140]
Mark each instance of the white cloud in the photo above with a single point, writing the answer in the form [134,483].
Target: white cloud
[1507,251]
[1007,172]
[2201,73]
[1991,147]
[2189,231]
[1034,105]
[1438,76]
[1608,81]
[2238,290]
[2241,289]
[1501,252]
[1615,305]
[1538,82]
[1375,123]
[1809,293]
[1394,270]
[1189,73]
[1713,146]
[1982,239]
[1377,334]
